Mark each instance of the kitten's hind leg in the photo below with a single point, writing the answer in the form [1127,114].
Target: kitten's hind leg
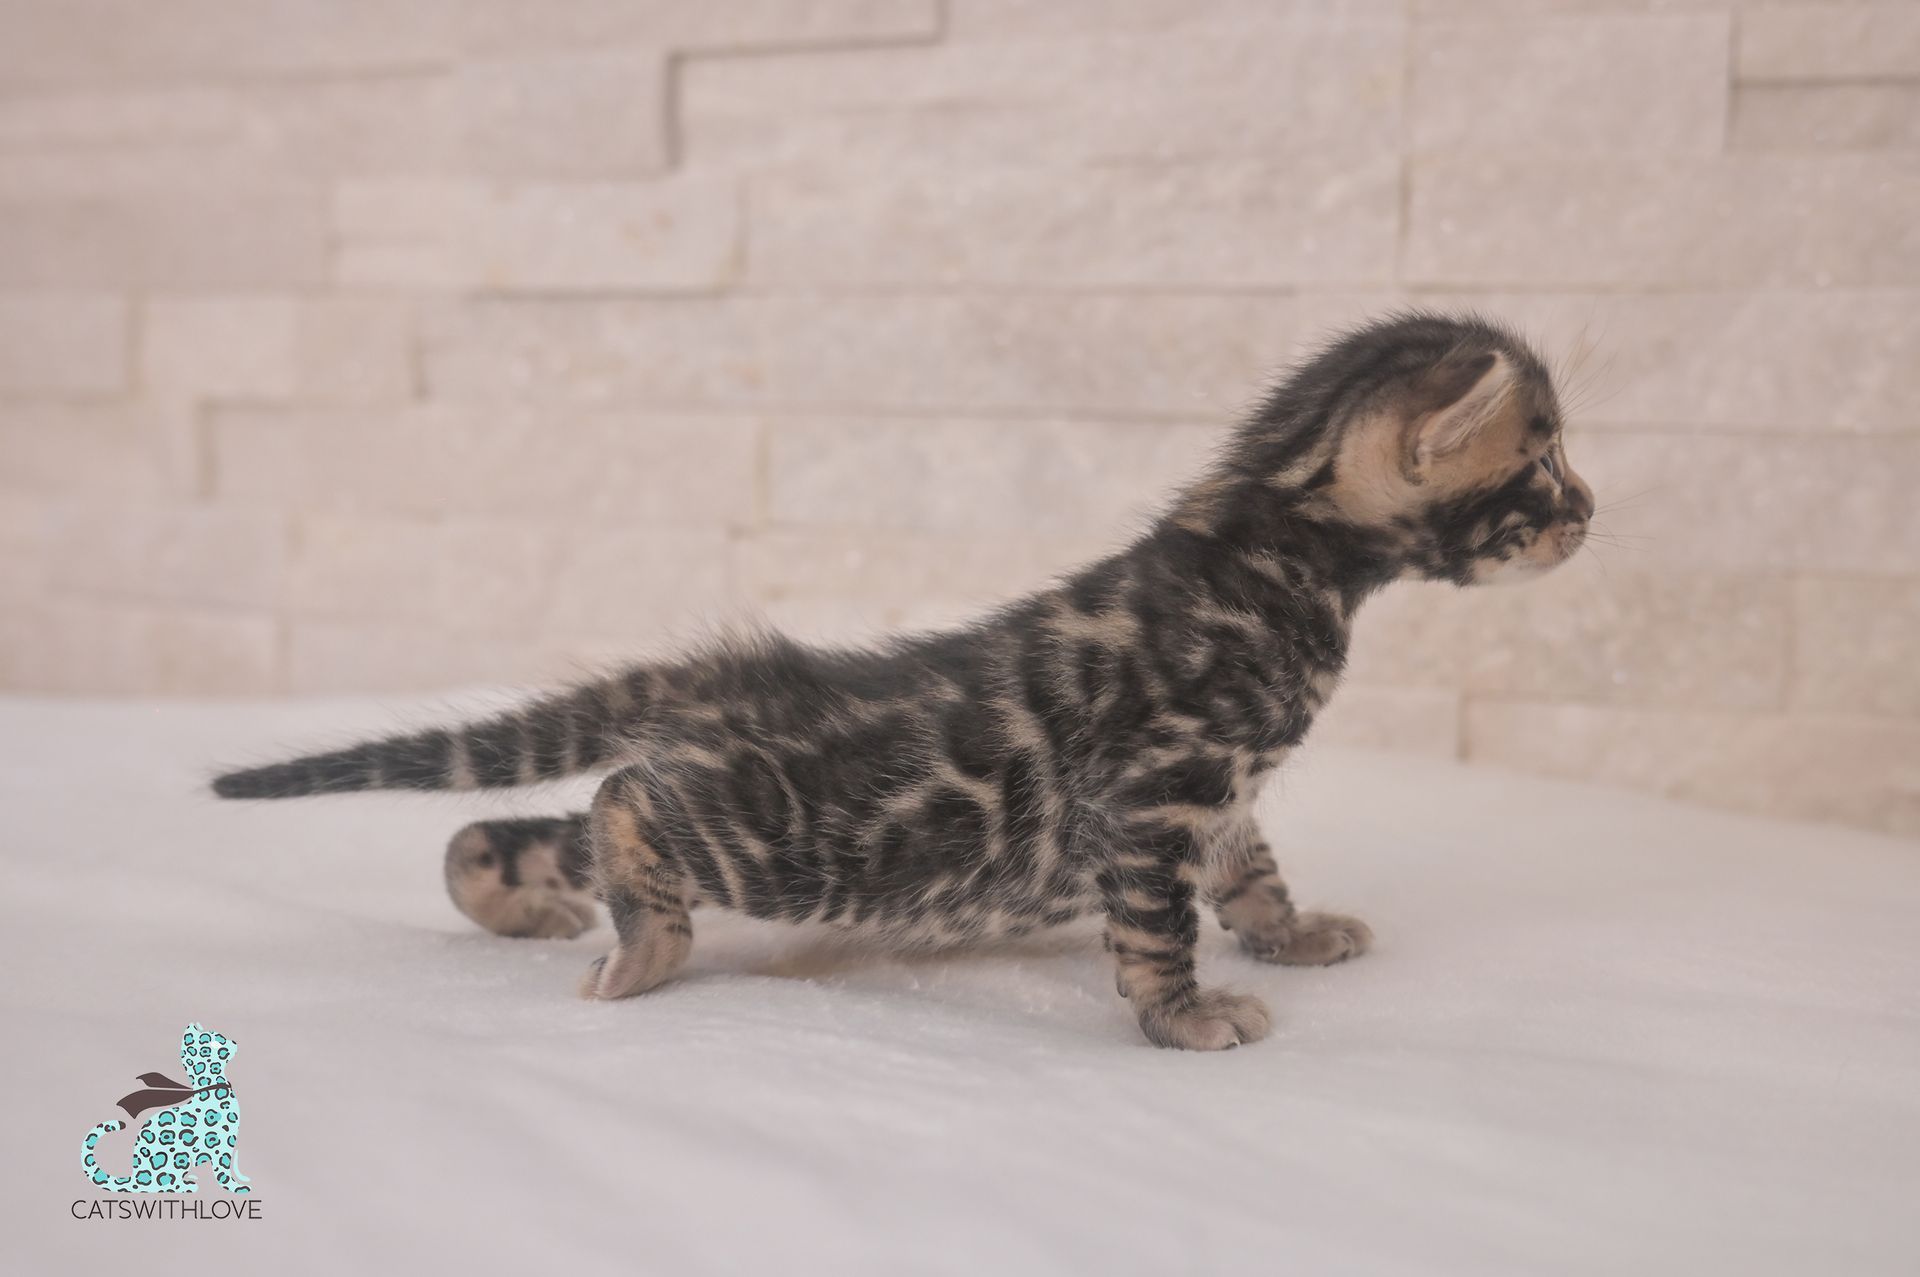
[523,878]
[1253,903]
[1152,926]
[645,891]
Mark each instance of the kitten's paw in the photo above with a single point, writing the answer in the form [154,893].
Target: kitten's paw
[635,968]
[590,982]
[1207,1020]
[534,901]
[1310,940]
[555,916]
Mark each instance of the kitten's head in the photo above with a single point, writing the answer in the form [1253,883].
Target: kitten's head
[1440,437]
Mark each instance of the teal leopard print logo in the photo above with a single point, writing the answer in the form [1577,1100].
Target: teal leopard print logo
[198,1124]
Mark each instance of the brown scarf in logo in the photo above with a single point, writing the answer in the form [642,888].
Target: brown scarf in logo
[164,1092]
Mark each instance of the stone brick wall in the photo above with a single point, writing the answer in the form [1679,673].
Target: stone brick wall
[354,345]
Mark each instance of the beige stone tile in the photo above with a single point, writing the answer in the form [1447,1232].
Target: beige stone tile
[414,265]
[1825,117]
[354,349]
[404,208]
[63,344]
[326,657]
[1747,504]
[841,621]
[371,567]
[26,550]
[124,450]
[307,51]
[1797,41]
[1771,360]
[990,19]
[1751,361]
[137,42]
[491,26]
[1608,82]
[236,346]
[1536,8]
[1813,767]
[1810,361]
[104,649]
[601,237]
[592,114]
[1325,220]
[523,580]
[361,126]
[1052,477]
[238,135]
[87,121]
[179,234]
[1660,222]
[168,554]
[469,575]
[600,467]
[902,570]
[636,585]
[1587,632]
[1190,358]
[1254,88]
[1422,720]
[301,128]
[1857,646]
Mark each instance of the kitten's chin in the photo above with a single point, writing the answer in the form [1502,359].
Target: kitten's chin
[1514,571]
[1546,554]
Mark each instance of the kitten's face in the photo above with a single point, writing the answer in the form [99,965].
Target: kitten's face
[1469,470]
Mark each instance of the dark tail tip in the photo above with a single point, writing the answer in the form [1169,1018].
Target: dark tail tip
[281,780]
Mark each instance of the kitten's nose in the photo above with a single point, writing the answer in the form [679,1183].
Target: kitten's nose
[1579,499]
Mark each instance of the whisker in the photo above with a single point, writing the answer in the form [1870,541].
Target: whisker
[1605,571]
[1628,501]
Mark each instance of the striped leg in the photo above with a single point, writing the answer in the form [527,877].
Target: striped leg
[523,877]
[645,892]
[1151,927]
[1253,904]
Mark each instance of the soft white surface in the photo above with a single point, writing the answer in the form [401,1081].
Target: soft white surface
[1600,1034]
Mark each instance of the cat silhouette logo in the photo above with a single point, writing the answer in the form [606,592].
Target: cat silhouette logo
[198,1124]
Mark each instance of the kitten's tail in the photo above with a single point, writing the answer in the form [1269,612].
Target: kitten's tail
[561,735]
[96,1173]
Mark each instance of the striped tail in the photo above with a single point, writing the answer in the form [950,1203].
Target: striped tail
[96,1173]
[561,735]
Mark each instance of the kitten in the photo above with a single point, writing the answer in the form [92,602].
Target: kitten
[1095,747]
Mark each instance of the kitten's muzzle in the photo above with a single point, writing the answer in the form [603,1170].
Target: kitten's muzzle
[1579,501]
[1568,532]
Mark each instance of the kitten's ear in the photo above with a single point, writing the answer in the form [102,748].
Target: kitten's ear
[1452,401]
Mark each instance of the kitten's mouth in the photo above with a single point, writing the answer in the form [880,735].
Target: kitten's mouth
[1552,547]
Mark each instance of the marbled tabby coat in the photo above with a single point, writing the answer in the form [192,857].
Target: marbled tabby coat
[1095,747]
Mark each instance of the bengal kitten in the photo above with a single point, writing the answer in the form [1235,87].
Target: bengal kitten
[1095,746]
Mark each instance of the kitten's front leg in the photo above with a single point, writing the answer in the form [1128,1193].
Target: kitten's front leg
[1253,903]
[1147,890]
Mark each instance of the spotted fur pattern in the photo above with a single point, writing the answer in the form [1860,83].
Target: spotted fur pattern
[1094,748]
[181,1138]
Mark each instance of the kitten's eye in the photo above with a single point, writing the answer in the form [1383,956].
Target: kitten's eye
[1550,462]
